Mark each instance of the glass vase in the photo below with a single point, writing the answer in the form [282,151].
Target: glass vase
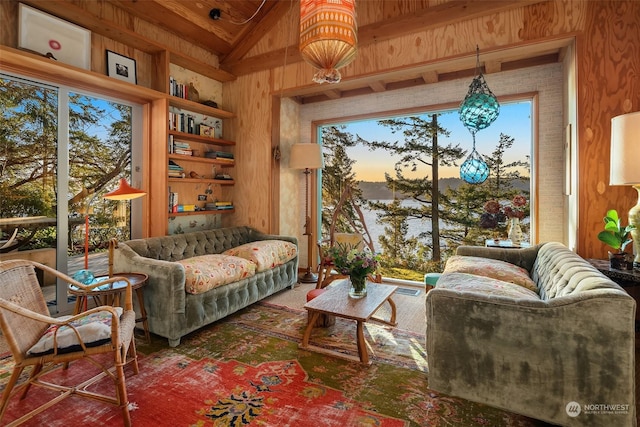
[515,232]
[358,287]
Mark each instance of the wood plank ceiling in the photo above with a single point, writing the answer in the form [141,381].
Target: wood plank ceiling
[243,22]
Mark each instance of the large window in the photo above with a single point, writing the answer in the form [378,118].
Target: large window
[60,152]
[404,174]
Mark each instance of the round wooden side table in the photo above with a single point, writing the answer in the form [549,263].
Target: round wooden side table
[110,295]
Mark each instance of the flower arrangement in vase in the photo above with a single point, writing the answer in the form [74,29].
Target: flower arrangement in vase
[357,264]
[498,214]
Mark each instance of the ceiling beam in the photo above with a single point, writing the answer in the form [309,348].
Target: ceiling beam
[378,86]
[420,20]
[332,94]
[492,67]
[184,22]
[277,11]
[519,55]
[430,76]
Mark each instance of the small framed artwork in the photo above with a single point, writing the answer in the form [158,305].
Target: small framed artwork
[120,67]
[54,38]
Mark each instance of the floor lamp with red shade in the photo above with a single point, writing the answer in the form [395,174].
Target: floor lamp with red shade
[123,192]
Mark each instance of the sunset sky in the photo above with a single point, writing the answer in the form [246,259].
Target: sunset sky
[514,120]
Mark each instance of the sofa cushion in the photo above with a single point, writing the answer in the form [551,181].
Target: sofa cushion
[94,330]
[265,254]
[206,272]
[464,282]
[492,268]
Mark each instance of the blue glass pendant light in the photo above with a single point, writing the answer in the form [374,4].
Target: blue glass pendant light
[479,109]
[474,170]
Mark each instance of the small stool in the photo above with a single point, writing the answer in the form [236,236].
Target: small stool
[324,320]
[430,280]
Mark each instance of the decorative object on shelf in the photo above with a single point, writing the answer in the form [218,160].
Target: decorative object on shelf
[624,170]
[356,263]
[53,37]
[307,156]
[120,67]
[618,237]
[515,232]
[210,103]
[477,111]
[193,93]
[206,131]
[328,36]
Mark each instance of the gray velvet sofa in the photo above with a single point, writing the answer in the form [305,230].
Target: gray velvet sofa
[564,354]
[171,311]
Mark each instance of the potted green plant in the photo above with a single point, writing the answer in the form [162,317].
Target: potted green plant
[617,237]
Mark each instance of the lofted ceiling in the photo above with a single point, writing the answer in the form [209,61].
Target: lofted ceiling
[242,23]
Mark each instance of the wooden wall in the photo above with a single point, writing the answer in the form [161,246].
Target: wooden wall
[608,63]
[608,85]
[608,68]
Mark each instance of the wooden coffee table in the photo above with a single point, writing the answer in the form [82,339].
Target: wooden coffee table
[335,301]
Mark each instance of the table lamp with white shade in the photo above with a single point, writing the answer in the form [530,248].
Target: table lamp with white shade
[307,156]
[625,153]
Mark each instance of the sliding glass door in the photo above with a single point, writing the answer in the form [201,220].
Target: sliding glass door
[60,152]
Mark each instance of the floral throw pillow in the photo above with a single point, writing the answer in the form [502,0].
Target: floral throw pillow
[94,330]
[210,271]
[492,268]
[463,282]
[265,254]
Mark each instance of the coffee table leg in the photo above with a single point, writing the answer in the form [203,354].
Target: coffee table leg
[307,331]
[362,345]
[392,320]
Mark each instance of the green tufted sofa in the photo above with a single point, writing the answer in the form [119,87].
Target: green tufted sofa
[171,311]
[564,354]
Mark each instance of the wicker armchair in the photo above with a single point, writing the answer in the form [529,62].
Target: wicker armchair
[25,320]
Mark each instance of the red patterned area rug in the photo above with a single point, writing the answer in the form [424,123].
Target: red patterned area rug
[247,370]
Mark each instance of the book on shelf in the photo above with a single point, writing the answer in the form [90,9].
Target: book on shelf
[185,208]
[174,166]
[225,161]
[175,170]
[173,201]
[178,89]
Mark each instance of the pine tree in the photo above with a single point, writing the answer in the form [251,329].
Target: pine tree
[419,147]
[99,149]
[399,249]
[337,176]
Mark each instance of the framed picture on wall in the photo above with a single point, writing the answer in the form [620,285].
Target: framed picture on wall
[52,37]
[121,67]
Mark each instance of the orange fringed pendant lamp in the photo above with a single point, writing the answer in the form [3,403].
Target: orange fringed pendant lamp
[328,36]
